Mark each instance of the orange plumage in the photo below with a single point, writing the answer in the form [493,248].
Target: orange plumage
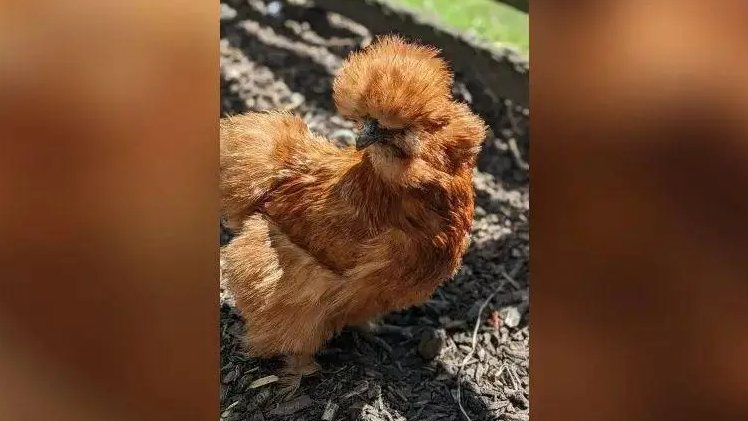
[329,237]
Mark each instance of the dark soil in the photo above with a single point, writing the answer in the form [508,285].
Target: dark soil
[285,57]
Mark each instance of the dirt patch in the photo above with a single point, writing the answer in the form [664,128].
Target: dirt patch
[281,55]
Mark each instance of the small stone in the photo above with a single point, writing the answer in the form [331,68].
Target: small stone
[432,341]
[510,316]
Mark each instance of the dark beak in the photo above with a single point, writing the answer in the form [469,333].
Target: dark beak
[370,134]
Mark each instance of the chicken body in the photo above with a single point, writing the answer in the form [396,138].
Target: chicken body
[326,237]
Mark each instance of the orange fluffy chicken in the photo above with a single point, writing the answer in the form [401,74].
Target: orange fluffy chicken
[329,237]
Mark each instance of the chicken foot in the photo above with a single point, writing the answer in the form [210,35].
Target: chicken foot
[296,366]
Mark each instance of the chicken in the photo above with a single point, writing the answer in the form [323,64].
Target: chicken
[329,237]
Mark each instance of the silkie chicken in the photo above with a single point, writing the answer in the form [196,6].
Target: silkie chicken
[328,237]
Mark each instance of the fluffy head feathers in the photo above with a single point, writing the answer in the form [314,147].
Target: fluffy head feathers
[395,82]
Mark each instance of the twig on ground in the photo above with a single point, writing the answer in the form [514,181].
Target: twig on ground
[517,155]
[512,141]
[510,279]
[515,270]
[475,340]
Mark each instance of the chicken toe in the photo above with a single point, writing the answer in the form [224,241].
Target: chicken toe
[296,367]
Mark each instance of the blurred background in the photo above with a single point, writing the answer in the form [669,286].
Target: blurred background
[500,22]
[108,190]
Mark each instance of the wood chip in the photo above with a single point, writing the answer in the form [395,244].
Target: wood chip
[293,406]
[230,376]
[360,388]
[263,381]
[232,405]
[377,341]
[330,410]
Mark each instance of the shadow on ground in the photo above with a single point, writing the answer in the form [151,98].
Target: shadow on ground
[387,377]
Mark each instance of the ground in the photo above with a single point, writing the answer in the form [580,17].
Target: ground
[411,369]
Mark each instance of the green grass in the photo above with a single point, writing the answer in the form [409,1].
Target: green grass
[489,19]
